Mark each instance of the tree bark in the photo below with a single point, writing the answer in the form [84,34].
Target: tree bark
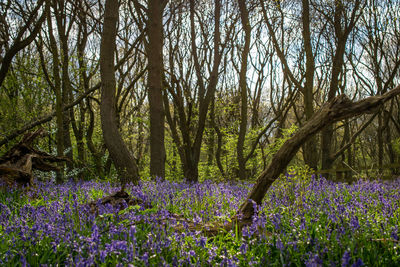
[310,147]
[155,69]
[337,109]
[121,156]
[96,154]
[59,102]
[244,15]
[211,135]
[61,22]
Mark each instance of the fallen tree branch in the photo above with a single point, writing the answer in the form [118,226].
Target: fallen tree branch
[16,164]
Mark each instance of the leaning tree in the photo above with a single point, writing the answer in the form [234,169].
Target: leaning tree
[339,108]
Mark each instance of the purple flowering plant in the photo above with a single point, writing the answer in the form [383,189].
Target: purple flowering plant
[304,221]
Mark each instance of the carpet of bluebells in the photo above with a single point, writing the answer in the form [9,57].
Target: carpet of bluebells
[304,221]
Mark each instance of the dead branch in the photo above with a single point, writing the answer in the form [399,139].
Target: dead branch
[17,163]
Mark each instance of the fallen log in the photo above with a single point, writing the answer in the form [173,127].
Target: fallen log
[17,164]
[119,200]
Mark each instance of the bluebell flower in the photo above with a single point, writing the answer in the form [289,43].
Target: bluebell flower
[346,258]
[394,234]
[358,263]
[314,261]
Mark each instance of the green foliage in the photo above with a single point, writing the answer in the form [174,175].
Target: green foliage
[24,94]
[277,144]
[173,166]
[255,164]
[396,145]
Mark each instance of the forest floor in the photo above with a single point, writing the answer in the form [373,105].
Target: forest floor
[304,221]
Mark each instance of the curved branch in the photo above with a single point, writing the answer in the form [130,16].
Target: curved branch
[339,108]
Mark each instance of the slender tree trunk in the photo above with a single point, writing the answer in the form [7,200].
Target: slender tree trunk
[77,127]
[155,69]
[121,156]
[205,94]
[219,150]
[388,141]
[244,15]
[349,150]
[219,140]
[342,33]
[211,135]
[310,146]
[380,141]
[61,22]
[97,155]
[59,102]
[140,145]
[67,117]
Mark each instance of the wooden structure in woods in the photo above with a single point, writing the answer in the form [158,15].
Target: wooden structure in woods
[17,163]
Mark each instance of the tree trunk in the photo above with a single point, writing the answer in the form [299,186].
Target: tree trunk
[191,170]
[121,156]
[78,129]
[389,143]
[342,32]
[97,155]
[326,148]
[205,93]
[219,140]
[155,68]
[337,109]
[346,138]
[244,15]
[66,87]
[211,135]
[59,104]
[310,146]
[380,142]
